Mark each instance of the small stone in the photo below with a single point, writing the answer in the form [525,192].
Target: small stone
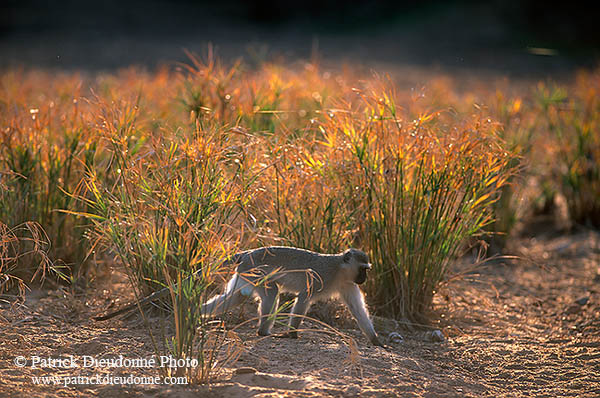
[435,335]
[583,300]
[395,338]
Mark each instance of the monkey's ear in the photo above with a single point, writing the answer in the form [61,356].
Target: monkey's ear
[347,256]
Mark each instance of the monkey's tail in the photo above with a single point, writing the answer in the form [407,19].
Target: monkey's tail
[234,294]
[231,288]
[153,297]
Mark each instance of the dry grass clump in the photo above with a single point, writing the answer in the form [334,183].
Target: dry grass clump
[425,185]
[45,145]
[165,205]
[551,128]
[571,121]
[23,253]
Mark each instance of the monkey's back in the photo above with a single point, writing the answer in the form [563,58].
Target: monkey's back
[294,270]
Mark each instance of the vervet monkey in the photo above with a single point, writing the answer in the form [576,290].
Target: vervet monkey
[267,271]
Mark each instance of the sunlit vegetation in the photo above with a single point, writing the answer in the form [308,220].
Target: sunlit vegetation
[164,174]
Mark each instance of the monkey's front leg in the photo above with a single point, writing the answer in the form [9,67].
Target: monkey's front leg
[300,308]
[355,302]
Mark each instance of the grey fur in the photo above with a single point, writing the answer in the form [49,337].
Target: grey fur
[268,271]
[311,276]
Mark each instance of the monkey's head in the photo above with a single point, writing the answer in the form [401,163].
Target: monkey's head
[358,261]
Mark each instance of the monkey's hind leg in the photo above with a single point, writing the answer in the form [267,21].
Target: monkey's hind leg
[269,301]
[301,306]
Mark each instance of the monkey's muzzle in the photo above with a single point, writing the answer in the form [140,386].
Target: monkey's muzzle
[362,275]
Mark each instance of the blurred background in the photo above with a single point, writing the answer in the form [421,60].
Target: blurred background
[516,38]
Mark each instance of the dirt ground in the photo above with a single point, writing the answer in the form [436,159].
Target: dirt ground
[528,326]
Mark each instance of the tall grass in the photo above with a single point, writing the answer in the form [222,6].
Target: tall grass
[518,130]
[572,120]
[427,185]
[180,168]
[44,146]
[307,208]
[165,206]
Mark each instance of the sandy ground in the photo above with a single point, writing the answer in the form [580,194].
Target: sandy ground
[524,327]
